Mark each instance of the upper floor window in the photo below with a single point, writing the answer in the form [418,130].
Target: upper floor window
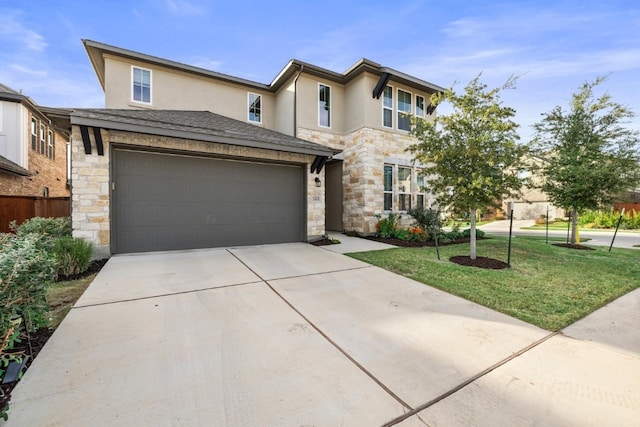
[141,85]
[404,110]
[419,106]
[255,108]
[42,145]
[34,134]
[50,146]
[387,107]
[324,105]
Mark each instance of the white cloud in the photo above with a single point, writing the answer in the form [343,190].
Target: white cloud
[183,7]
[12,31]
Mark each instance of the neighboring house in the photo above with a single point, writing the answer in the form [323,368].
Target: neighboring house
[318,149]
[533,203]
[33,152]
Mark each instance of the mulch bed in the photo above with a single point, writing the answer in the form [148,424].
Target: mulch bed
[418,244]
[480,262]
[323,242]
[40,337]
[570,246]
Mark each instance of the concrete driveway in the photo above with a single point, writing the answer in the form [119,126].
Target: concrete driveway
[296,335]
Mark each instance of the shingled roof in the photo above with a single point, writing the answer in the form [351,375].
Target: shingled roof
[7,165]
[196,125]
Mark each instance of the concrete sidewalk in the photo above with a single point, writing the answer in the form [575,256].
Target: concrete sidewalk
[299,335]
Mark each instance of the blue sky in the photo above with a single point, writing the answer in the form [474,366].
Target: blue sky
[554,46]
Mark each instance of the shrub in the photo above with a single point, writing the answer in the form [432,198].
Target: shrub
[72,255]
[50,227]
[427,219]
[609,219]
[401,234]
[26,270]
[386,226]
[418,234]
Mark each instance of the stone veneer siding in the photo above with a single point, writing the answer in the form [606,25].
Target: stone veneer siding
[365,152]
[91,177]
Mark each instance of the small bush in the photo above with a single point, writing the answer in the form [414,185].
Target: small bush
[401,234]
[386,226]
[72,255]
[26,270]
[609,219]
[50,227]
[427,219]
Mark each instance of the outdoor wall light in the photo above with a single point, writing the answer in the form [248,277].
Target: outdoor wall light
[318,183]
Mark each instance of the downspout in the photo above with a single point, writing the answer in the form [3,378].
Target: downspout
[295,102]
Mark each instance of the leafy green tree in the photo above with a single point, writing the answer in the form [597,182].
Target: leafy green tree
[592,157]
[471,153]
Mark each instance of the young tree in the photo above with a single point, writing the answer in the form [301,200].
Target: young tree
[592,156]
[471,153]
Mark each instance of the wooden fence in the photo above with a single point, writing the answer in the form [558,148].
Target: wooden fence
[21,208]
[628,207]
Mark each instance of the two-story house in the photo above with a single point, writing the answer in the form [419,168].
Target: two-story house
[187,157]
[33,151]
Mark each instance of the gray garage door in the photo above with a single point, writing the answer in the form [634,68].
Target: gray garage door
[167,202]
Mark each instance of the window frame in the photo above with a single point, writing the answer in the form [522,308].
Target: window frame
[422,116]
[404,194]
[43,141]
[34,134]
[386,192]
[326,106]
[258,97]
[387,108]
[420,189]
[402,114]
[50,144]
[133,86]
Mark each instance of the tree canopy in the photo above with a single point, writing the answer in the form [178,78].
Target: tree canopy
[471,154]
[591,157]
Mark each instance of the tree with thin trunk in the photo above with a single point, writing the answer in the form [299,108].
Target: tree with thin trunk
[472,155]
[592,157]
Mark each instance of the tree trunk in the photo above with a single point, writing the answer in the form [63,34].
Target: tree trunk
[574,225]
[472,217]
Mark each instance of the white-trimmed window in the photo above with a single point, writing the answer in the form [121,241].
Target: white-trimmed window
[387,107]
[141,87]
[50,146]
[255,107]
[43,143]
[404,110]
[420,106]
[324,105]
[388,187]
[34,134]
[421,182]
[404,188]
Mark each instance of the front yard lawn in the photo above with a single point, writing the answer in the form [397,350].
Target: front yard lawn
[548,286]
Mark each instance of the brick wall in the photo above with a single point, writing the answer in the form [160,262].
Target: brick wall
[50,173]
[90,180]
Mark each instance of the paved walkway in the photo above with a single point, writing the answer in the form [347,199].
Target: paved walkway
[290,335]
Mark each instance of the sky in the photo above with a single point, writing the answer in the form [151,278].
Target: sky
[552,46]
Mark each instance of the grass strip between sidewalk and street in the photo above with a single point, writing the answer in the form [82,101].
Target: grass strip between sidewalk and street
[548,286]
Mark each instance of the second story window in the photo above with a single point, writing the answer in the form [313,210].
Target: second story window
[404,110]
[255,108]
[50,146]
[34,134]
[387,107]
[419,106]
[324,106]
[141,85]
[43,143]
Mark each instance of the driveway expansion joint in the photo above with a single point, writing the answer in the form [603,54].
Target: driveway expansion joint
[190,291]
[470,381]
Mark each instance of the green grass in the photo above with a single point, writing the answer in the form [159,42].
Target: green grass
[63,295]
[548,286]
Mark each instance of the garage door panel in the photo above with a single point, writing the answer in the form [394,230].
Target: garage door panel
[165,202]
